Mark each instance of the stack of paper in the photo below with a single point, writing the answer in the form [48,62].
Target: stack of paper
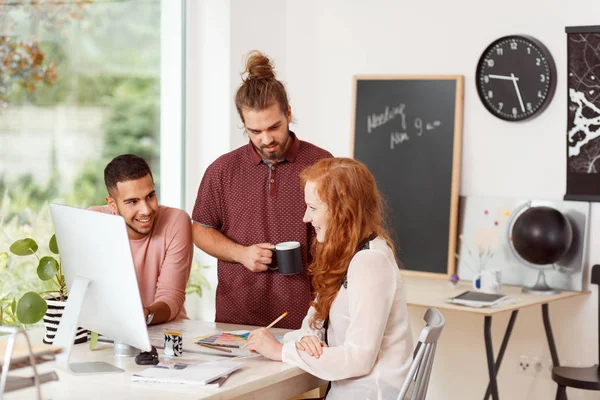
[199,374]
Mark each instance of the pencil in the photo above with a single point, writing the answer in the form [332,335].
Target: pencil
[277,320]
[270,325]
[215,347]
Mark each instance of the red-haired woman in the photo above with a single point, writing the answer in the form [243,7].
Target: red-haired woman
[356,333]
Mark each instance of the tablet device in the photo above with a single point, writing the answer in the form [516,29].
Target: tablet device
[479,296]
[477,299]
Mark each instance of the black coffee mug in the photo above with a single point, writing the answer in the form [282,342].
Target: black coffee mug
[289,258]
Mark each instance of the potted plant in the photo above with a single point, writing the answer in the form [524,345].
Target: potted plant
[48,304]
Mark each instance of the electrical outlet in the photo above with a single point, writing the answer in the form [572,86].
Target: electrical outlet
[535,366]
[538,367]
[524,366]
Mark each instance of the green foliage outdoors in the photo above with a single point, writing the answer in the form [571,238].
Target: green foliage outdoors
[197,282]
[101,57]
[78,54]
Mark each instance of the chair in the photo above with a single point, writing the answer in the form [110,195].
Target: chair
[417,381]
[587,378]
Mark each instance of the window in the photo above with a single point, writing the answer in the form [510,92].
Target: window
[82,81]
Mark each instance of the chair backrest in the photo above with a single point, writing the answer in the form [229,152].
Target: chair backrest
[596,281]
[420,369]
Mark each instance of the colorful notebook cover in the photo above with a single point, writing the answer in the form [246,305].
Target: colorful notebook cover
[225,339]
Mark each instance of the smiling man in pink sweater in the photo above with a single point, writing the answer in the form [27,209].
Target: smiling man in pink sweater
[160,237]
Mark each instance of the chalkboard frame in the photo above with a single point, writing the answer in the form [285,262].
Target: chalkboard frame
[456,160]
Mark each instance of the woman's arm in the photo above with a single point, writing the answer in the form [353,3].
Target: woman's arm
[371,291]
[305,329]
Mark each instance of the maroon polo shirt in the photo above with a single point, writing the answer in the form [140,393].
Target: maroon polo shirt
[251,201]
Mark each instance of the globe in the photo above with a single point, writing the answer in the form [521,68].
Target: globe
[540,236]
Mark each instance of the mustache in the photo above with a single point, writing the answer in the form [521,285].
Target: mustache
[268,145]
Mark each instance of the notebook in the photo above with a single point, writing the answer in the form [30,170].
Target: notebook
[199,374]
[478,299]
[235,339]
[226,344]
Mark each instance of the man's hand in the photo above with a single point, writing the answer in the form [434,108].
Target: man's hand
[161,311]
[257,257]
[263,342]
[311,345]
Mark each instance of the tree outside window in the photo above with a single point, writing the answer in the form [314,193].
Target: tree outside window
[79,84]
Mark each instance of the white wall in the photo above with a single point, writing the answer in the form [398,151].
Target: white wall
[318,46]
[247,34]
[208,99]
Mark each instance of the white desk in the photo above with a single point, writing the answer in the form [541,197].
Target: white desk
[427,292]
[259,378]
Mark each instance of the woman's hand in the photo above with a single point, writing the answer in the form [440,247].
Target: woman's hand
[263,342]
[311,345]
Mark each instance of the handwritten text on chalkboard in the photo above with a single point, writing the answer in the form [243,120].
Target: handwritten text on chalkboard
[391,112]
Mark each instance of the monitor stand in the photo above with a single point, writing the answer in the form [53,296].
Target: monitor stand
[67,328]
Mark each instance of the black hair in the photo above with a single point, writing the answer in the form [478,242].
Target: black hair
[126,167]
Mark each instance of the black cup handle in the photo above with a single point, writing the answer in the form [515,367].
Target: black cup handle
[274,251]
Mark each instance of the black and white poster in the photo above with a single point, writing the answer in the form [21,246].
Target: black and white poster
[583,115]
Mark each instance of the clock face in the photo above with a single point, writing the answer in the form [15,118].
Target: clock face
[516,78]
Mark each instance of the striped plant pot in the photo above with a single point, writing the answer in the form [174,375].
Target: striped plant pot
[52,319]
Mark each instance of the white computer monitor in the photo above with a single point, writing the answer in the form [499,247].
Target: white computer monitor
[103,293]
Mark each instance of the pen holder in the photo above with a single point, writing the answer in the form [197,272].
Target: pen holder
[173,344]
[488,281]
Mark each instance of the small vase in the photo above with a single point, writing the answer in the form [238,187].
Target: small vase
[52,319]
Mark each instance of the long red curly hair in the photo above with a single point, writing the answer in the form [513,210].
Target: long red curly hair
[355,211]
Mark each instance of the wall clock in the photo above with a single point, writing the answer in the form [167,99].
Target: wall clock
[516,77]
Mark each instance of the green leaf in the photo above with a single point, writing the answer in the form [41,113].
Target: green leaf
[47,268]
[24,247]
[13,306]
[93,340]
[31,308]
[3,261]
[53,245]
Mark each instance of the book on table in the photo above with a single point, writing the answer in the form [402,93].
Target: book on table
[478,299]
[198,374]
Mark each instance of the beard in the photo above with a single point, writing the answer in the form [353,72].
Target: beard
[133,228]
[273,156]
[139,232]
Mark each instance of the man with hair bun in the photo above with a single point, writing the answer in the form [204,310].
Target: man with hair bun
[250,199]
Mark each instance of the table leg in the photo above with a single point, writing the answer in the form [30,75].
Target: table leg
[550,336]
[487,333]
[509,328]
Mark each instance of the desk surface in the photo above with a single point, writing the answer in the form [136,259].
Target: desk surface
[259,378]
[427,292]
[20,352]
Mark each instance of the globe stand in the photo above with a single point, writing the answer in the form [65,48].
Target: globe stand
[541,287]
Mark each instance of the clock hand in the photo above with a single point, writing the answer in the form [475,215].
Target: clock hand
[515,79]
[508,78]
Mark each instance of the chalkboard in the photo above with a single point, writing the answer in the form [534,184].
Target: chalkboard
[408,131]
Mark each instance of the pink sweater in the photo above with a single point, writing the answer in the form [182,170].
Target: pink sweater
[163,259]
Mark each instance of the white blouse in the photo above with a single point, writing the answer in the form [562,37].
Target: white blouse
[370,339]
